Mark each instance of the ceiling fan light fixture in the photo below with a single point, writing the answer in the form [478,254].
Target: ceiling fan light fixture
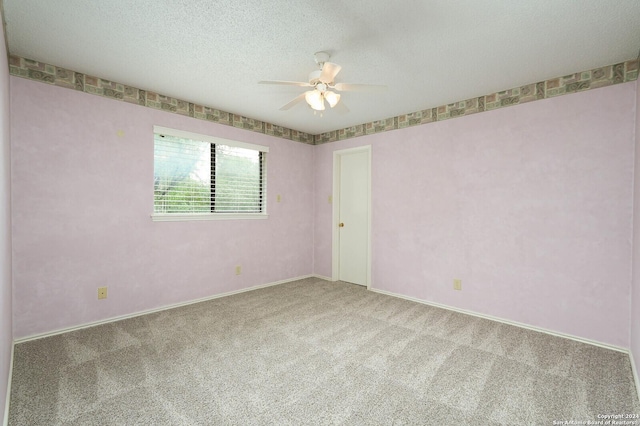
[332,98]
[320,81]
[314,99]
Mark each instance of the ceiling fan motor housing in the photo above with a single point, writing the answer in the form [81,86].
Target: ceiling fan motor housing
[321,57]
[314,76]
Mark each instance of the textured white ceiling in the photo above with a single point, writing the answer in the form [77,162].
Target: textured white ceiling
[428,52]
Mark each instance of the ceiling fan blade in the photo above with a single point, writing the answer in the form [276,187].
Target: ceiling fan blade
[347,87]
[329,72]
[297,99]
[286,83]
[341,108]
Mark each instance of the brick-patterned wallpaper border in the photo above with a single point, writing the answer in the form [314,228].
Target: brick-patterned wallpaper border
[62,77]
[577,82]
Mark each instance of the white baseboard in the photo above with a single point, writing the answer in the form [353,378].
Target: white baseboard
[150,311]
[322,277]
[505,321]
[388,293]
[635,373]
[5,421]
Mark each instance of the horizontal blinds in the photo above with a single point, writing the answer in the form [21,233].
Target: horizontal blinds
[182,175]
[192,176]
[206,138]
[238,180]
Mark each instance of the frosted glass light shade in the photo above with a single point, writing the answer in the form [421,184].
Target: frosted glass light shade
[315,100]
[332,98]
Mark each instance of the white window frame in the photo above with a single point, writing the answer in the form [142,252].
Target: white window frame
[173,217]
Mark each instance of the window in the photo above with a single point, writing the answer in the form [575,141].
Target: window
[203,177]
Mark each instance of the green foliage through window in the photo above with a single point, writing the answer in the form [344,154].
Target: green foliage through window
[192,176]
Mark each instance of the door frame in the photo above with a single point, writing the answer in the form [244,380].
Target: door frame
[335,219]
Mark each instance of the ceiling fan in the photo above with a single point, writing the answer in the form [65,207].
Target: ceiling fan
[324,87]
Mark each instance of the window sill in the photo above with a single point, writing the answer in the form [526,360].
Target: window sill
[207,216]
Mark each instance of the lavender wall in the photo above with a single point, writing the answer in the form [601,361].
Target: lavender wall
[6,333]
[531,206]
[635,288]
[82,197]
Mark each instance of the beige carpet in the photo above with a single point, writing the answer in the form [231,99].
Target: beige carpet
[314,352]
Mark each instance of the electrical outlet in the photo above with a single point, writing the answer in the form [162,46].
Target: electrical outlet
[238,270]
[457,285]
[102,292]
[278,198]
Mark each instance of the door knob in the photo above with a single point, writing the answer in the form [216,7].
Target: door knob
[341,225]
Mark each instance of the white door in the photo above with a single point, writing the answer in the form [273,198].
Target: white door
[353,216]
